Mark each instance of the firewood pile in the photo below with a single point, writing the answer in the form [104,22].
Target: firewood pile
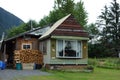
[28,56]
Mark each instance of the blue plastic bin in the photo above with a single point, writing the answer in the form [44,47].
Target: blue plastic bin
[2,65]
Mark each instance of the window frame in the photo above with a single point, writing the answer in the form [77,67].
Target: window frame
[25,44]
[43,47]
[76,41]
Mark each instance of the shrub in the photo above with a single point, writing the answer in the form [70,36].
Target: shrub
[92,62]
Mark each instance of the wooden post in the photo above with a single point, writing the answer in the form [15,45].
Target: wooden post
[4,53]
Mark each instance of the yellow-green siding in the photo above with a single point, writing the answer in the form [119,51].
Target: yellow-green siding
[84,49]
[53,47]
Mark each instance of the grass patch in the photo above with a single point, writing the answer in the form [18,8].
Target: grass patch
[110,63]
[98,74]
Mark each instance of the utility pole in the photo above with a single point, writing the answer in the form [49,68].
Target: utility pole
[3,35]
[31,24]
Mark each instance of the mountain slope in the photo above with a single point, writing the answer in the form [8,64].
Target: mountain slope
[8,20]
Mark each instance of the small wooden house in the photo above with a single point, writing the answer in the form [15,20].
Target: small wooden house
[64,45]
[23,48]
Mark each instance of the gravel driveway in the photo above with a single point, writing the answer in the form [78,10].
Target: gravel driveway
[8,74]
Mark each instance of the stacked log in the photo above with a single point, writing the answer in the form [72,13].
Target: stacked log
[28,56]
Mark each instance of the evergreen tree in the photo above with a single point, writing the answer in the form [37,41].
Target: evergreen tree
[80,13]
[110,35]
[114,24]
[14,31]
[29,25]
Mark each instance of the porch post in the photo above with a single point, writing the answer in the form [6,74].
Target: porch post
[4,53]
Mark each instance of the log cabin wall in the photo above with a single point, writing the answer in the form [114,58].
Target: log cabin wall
[32,55]
[32,41]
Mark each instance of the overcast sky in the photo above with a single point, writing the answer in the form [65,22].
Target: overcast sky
[37,9]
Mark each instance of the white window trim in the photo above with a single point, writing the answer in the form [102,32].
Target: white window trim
[80,54]
[81,50]
[27,44]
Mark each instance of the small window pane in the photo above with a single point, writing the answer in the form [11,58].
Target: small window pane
[26,46]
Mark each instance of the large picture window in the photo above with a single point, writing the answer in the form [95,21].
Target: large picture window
[69,49]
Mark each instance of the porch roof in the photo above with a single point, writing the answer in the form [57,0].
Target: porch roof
[34,32]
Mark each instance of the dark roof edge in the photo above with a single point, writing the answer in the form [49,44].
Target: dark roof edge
[24,33]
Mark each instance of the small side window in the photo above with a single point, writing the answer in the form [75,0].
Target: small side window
[26,46]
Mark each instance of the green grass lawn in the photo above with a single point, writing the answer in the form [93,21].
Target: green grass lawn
[98,74]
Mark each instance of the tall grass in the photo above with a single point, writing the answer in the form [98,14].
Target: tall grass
[113,63]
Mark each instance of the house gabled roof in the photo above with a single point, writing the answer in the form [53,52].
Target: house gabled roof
[47,33]
[67,26]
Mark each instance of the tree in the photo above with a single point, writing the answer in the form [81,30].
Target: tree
[93,33]
[63,8]
[110,34]
[22,28]
[97,50]
[29,25]
[80,13]
[14,31]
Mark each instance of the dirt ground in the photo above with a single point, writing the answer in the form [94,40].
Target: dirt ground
[9,74]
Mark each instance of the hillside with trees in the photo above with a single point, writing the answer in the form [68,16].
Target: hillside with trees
[8,20]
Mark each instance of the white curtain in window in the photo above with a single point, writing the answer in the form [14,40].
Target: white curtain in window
[69,48]
[78,49]
[60,47]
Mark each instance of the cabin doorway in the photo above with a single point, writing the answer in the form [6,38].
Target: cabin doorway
[9,58]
